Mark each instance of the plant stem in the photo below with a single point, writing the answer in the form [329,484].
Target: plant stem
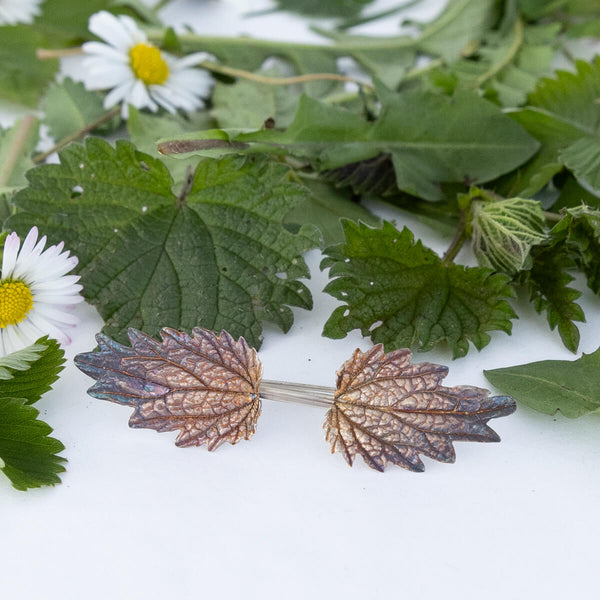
[460,237]
[113,112]
[16,149]
[552,216]
[215,68]
[508,57]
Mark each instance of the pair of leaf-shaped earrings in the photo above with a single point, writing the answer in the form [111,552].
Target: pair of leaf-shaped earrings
[209,388]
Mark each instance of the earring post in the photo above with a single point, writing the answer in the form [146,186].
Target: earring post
[302,393]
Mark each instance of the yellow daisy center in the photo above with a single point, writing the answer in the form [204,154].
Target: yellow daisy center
[15,302]
[148,64]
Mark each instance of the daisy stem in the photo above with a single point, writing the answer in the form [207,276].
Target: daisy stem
[16,149]
[113,112]
[224,70]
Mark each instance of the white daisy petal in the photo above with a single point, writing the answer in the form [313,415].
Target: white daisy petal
[191,60]
[140,98]
[36,294]
[119,93]
[99,51]
[9,257]
[112,29]
[18,11]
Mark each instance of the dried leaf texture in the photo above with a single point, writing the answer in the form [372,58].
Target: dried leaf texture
[389,410]
[204,385]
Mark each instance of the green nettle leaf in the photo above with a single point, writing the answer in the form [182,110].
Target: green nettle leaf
[404,295]
[583,158]
[431,139]
[16,147]
[548,281]
[580,231]
[553,134]
[548,386]
[215,256]
[23,77]
[504,231]
[564,116]
[69,107]
[30,373]
[28,457]
[325,207]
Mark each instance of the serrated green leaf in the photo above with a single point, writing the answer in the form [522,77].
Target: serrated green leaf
[19,361]
[324,208]
[548,386]
[579,230]
[27,454]
[554,134]
[69,107]
[583,158]
[431,139]
[572,96]
[23,77]
[403,295]
[548,284]
[563,110]
[16,147]
[30,373]
[504,231]
[218,257]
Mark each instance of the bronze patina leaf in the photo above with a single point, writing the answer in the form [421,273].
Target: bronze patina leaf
[389,410]
[204,385]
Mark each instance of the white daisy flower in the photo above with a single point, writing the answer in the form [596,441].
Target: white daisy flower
[137,72]
[35,292]
[18,11]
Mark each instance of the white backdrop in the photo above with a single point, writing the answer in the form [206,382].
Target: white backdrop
[279,516]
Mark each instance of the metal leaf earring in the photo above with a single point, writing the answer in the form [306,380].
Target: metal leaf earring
[208,386]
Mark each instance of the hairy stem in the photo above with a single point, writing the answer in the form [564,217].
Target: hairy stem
[460,237]
[16,149]
[552,216]
[113,112]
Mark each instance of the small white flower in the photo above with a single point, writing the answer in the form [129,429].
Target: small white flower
[18,11]
[36,293]
[137,72]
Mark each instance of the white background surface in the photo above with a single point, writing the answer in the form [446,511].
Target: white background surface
[279,516]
